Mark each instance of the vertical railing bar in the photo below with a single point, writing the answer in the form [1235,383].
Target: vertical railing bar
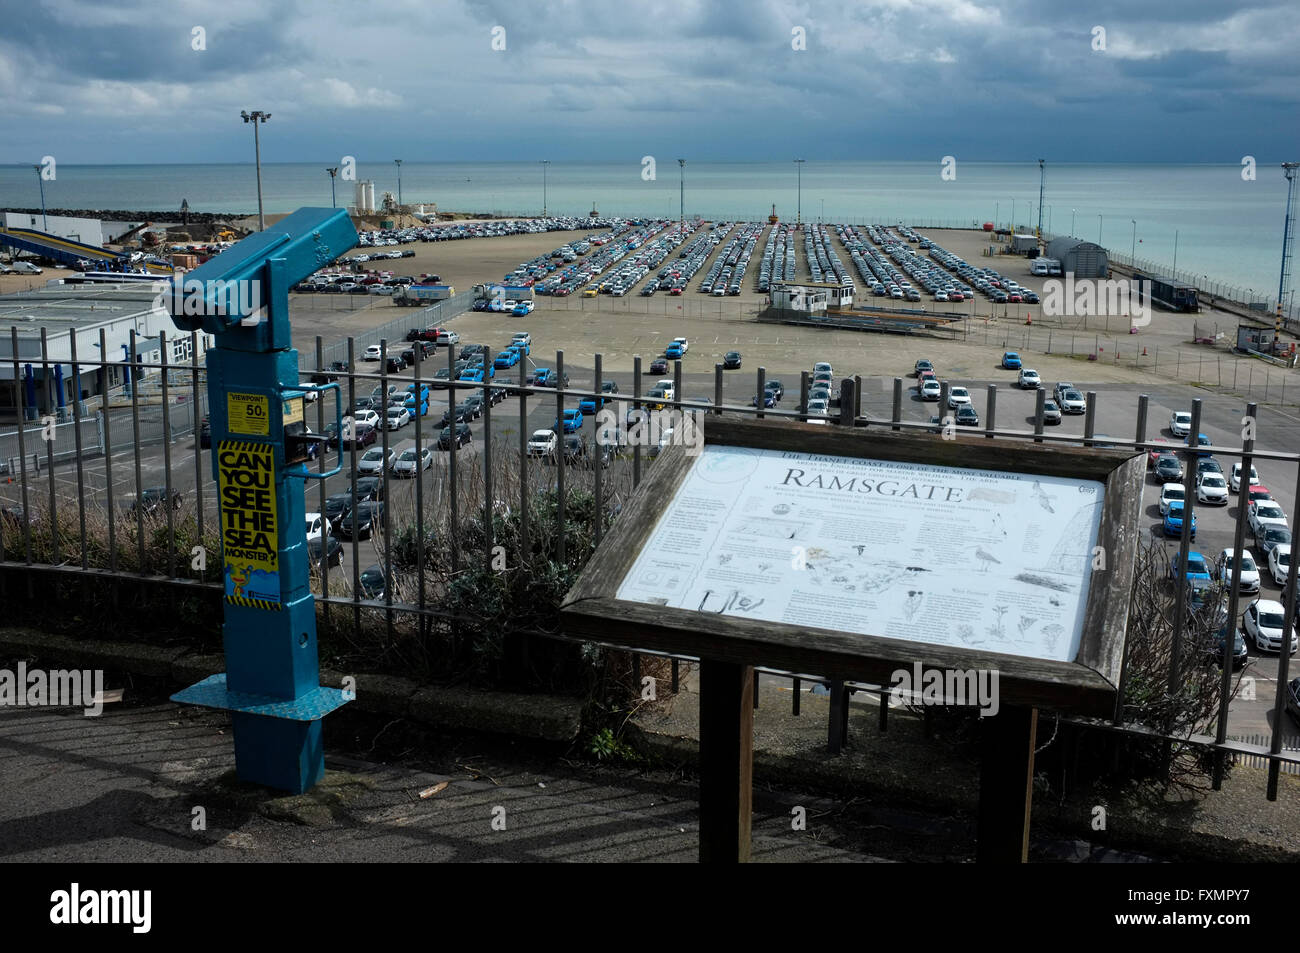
[560,461]
[167,456]
[53,516]
[489,504]
[108,450]
[352,483]
[198,423]
[453,501]
[386,504]
[523,455]
[135,430]
[1290,607]
[21,403]
[76,432]
[417,383]
[321,468]
[596,457]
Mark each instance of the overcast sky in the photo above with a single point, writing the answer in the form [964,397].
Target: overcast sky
[1178,80]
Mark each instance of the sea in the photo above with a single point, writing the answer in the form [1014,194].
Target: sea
[1215,222]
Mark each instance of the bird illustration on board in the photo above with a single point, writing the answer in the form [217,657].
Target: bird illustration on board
[986,558]
[1043,499]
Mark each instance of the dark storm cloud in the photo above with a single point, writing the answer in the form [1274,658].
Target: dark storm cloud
[889,78]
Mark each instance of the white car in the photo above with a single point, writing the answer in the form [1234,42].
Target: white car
[669,388]
[1211,487]
[398,417]
[1180,423]
[1279,562]
[373,353]
[408,462]
[448,337]
[930,389]
[1029,379]
[1171,493]
[823,368]
[1264,512]
[1249,570]
[25,268]
[373,461]
[368,417]
[316,526]
[522,337]
[1234,480]
[820,407]
[1073,402]
[1061,388]
[957,396]
[1263,620]
[542,443]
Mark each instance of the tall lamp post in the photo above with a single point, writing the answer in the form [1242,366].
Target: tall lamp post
[1175,274]
[1042,178]
[1133,248]
[1098,229]
[398,163]
[256,117]
[798,216]
[45,222]
[1072,211]
[681,195]
[333,172]
[545,163]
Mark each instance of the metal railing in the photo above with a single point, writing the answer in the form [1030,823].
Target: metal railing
[459,499]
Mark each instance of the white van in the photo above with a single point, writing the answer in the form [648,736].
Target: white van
[1039,266]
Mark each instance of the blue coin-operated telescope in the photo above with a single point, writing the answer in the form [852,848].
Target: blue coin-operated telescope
[259,446]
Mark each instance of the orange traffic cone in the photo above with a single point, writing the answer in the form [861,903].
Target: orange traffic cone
[1144,352]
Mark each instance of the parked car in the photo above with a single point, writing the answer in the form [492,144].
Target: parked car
[409,463]
[1198,567]
[397,417]
[1279,563]
[658,366]
[1262,513]
[1169,469]
[153,501]
[1249,571]
[930,389]
[1180,423]
[322,550]
[462,437]
[1011,361]
[1173,521]
[1212,488]
[1051,412]
[542,443]
[957,396]
[1264,621]
[1028,379]
[1171,493]
[372,583]
[1220,639]
[375,461]
[731,360]
[1272,537]
[1234,479]
[1073,402]
[361,522]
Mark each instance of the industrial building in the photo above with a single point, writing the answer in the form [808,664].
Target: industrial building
[49,386]
[1080,258]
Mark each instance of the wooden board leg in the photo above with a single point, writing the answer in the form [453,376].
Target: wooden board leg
[726,761]
[1006,785]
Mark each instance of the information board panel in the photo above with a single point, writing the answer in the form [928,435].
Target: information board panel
[249,526]
[850,552]
[946,555]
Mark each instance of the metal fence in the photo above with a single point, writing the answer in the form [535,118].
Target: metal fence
[394,331]
[464,491]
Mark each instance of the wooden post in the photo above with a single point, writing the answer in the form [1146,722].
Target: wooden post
[726,761]
[1006,786]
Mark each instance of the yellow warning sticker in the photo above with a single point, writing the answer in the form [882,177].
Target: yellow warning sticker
[248,414]
[293,411]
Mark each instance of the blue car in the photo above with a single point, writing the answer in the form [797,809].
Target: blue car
[1202,441]
[506,359]
[521,346]
[572,420]
[673,351]
[1011,361]
[1173,522]
[542,376]
[769,400]
[588,405]
[1197,566]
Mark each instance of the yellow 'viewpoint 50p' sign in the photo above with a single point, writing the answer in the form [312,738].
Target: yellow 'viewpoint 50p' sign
[249,524]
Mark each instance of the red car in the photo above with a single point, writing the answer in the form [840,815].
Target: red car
[1154,453]
[659,366]
[1258,491]
[1015,298]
